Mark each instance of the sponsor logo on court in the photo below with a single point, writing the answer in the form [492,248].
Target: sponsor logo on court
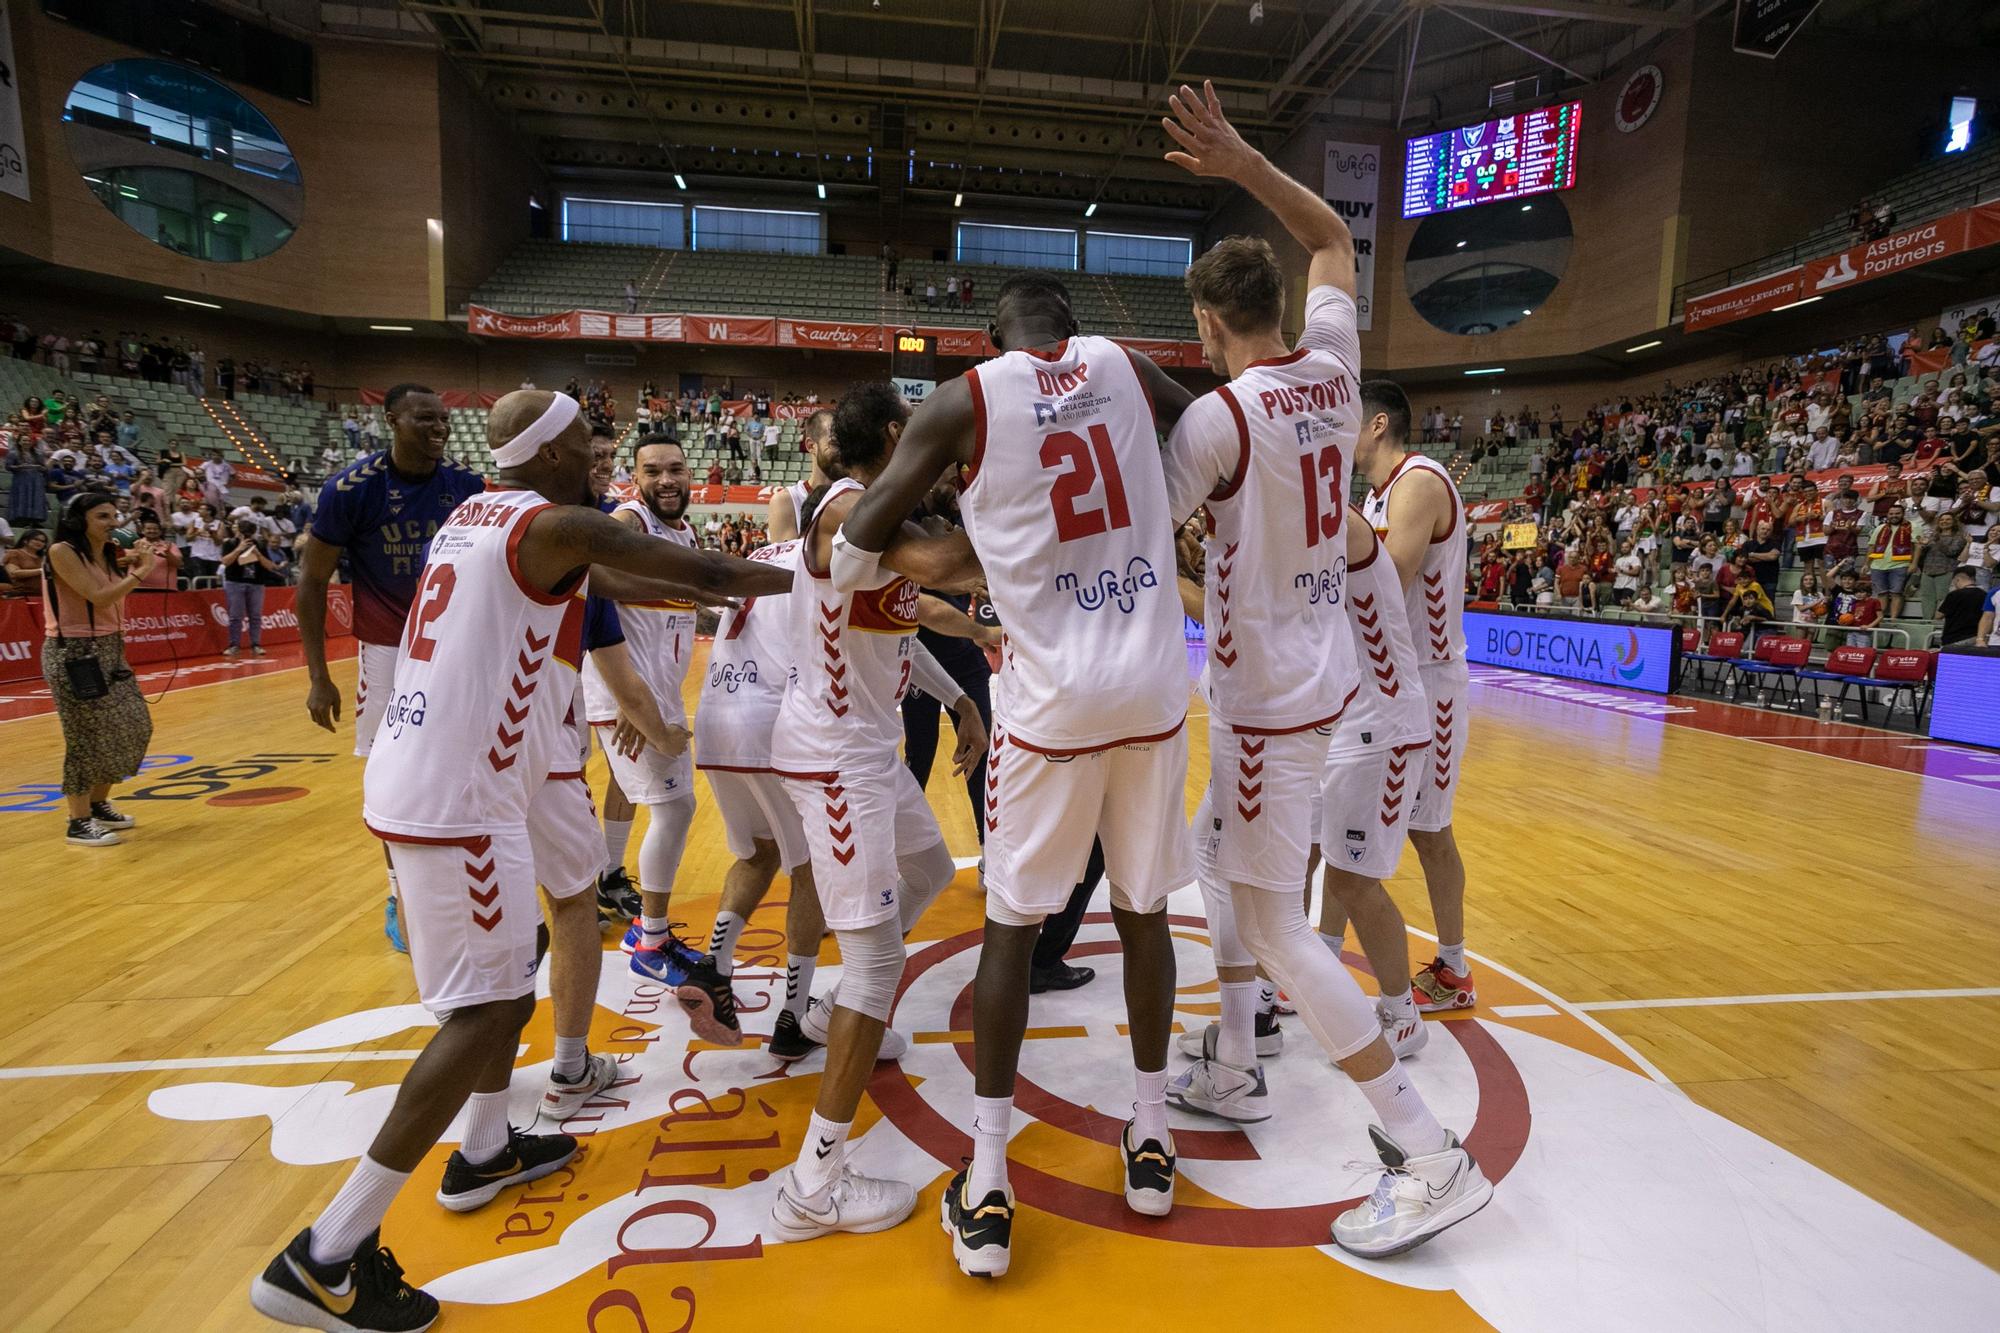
[175,777]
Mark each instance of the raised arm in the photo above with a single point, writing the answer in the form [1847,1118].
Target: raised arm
[563,539]
[1210,146]
[945,562]
[939,435]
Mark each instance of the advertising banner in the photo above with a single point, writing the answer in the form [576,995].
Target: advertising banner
[164,626]
[730,330]
[832,337]
[1744,299]
[1631,657]
[1159,351]
[1352,185]
[1909,247]
[13,143]
[1966,705]
[1764,26]
[959,342]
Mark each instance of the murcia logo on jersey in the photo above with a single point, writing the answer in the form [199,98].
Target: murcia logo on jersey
[732,676]
[1108,588]
[405,710]
[1321,585]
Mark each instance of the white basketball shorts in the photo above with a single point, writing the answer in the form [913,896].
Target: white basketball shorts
[1262,792]
[470,909]
[1360,818]
[755,808]
[649,778]
[564,837]
[375,686]
[858,824]
[1446,688]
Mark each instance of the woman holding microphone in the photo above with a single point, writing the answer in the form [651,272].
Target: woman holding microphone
[105,721]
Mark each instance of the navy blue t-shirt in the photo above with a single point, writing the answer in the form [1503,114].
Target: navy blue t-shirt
[384,522]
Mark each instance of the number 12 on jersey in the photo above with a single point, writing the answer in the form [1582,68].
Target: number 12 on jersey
[1320,475]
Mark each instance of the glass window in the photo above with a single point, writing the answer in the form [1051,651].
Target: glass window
[770,230]
[624,222]
[183,160]
[1127,252]
[1016,247]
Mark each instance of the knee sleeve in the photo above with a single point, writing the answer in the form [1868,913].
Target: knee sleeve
[871,965]
[666,838]
[1327,997]
[924,876]
[1224,939]
[1001,914]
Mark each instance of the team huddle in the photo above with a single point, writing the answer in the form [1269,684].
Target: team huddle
[1334,695]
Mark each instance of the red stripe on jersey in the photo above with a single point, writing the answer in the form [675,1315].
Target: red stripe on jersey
[1062,350]
[555,596]
[1168,734]
[1226,489]
[1285,360]
[978,427]
[468,840]
[1374,549]
[1303,726]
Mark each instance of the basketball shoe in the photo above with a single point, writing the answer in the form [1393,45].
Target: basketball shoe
[700,990]
[819,1018]
[1439,989]
[617,900]
[1210,1087]
[1415,1199]
[1149,1174]
[788,1041]
[363,1292]
[981,1234]
[1406,1033]
[1200,1042]
[469,1185]
[561,1100]
[853,1202]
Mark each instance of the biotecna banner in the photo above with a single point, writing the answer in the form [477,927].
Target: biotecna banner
[1631,657]
[1966,706]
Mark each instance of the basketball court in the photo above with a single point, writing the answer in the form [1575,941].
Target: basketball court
[1729,1067]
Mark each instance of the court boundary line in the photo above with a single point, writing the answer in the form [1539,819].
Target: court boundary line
[201,1062]
[198,685]
[1807,997]
[1617,1042]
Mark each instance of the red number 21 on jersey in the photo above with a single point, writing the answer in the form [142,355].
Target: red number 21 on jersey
[1079,483]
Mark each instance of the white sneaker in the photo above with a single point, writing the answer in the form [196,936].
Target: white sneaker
[1416,1198]
[1149,1174]
[853,1202]
[1405,1032]
[562,1100]
[1200,1042]
[817,1022]
[1211,1087]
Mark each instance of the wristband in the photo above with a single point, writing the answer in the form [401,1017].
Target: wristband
[852,568]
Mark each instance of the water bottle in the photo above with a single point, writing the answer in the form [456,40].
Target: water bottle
[1826,708]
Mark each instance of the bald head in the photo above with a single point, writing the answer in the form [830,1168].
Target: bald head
[514,413]
[558,464]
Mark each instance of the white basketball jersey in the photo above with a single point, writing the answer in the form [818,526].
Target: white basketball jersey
[659,636]
[1280,657]
[748,665]
[797,493]
[485,674]
[850,668]
[1066,504]
[1389,707]
[1437,594]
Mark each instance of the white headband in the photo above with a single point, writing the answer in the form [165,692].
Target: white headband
[554,421]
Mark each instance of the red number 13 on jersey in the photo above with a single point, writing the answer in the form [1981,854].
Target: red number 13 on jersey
[1080,483]
[1320,475]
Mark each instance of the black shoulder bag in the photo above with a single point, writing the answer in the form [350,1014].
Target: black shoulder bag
[86,674]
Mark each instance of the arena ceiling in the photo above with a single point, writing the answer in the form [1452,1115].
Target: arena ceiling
[1026,98]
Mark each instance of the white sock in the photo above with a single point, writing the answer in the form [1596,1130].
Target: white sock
[1149,1111]
[485,1126]
[722,942]
[990,1117]
[799,981]
[1401,1109]
[356,1211]
[570,1054]
[1454,956]
[653,929]
[617,836]
[1402,1004]
[1267,995]
[821,1155]
[1236,1042]
[1334,943]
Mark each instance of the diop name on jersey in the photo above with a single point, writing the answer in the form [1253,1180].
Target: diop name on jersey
[1292,399]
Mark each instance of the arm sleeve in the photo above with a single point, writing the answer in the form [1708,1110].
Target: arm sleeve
[1207,447]
[1332,326]
[932,678]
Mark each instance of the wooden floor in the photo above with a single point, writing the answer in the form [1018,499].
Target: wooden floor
[1615,863]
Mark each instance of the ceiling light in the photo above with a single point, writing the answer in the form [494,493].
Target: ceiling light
[1490,370]
[1642,347]
[1527,312]
[822,189]
[1527,208]
[391,328]
[1796,304]
[958,200]
[1459,246]
[680,183]
[189,300]
[1091,211]
[219,215]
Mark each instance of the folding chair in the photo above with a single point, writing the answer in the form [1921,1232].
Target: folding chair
[1724,648]
[1900,671]
[1775,666]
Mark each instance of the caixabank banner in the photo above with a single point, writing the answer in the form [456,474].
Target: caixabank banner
[1632,657]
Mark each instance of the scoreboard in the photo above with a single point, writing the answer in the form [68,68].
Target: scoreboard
[913,355]
[1531,153]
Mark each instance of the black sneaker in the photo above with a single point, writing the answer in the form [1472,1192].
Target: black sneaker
[365,1292]
[699,987]
[526,1157]
[1060,977]
[981,1236]
[1270,1037]
[788,1041]
[617,900]
[90,833]
[107,815]
[1149,1174]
